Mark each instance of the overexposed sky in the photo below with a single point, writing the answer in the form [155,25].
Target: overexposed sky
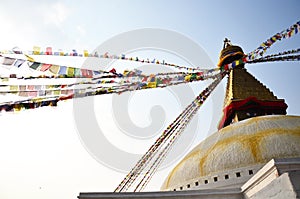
[42,154]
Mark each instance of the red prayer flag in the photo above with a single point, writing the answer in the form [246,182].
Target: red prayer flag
[48,51]
[45,67]
[113,70]
[89,73]
[84,72]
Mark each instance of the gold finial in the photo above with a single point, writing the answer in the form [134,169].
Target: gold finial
[227,43]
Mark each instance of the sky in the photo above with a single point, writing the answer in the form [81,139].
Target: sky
[42,151]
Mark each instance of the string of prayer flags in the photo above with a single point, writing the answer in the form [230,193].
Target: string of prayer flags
[288,52]
[234,64]
[63,71]
[37,51]
[151,160]
[287,33]
[106,82]
[277,58]
[28,104]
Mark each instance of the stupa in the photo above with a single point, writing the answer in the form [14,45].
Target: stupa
[255,153]
[254,130]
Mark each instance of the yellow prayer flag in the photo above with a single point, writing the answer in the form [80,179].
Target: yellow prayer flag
[151,84]
[29,58]
[61,53]
[187,78]
[56,92]
[54,69]
[36,50]
[70,72]
[293,32]
[85,53]
[13,87]
[17,107]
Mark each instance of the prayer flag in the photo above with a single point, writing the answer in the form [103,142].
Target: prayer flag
[32,93]
[96,73]
[48,51]
[84,72]
[70,72]
[113,70]
[36,50]
[89,73]
[45,67]
[49,92]
[54,69]
[152,85]
[23,94]
[13,87]
[35,65]
[19,62]
[7,61]
[63,70]
[85,53]
[42,93]
[74,53]
[29,58]
[30,87]
[22,87]
[56,92]
[77,72]
[61,53]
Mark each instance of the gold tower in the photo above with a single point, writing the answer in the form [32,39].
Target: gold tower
[246,97]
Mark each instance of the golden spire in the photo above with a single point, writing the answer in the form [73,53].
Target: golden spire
[245,96]
[241,85]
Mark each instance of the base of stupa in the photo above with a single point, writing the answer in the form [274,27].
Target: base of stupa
[279,178]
